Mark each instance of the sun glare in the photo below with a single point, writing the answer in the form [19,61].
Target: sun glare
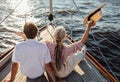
[22,8]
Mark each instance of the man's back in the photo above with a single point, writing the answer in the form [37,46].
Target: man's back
[32,56]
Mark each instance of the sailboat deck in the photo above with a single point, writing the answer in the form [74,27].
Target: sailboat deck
[84,72]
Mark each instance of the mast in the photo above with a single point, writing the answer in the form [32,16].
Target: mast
[50,17]
[51,8]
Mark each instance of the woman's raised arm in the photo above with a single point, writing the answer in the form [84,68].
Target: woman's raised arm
[86,33]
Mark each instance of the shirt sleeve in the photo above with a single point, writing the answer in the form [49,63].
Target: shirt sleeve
[14,56]
[47,56]
[73,48]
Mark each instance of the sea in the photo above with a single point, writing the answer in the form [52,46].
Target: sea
[104,38]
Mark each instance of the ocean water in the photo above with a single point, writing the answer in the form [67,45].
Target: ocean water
[104,39]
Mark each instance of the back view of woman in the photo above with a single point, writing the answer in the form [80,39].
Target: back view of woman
[63,56]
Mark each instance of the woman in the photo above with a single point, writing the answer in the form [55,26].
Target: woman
[63,56]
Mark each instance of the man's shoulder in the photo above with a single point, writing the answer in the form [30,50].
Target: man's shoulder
[42,44]
[20,44]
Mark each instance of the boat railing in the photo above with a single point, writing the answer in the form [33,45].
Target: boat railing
[5,57]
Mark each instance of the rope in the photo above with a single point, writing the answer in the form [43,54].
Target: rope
[97,45]
[50,34]
[77,8]
[114,66]
[44,18]
[115,36]
[109,41]
[11,12]
[33,10]
[104,58]
[92,47]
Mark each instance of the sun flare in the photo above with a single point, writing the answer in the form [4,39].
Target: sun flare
[22,8]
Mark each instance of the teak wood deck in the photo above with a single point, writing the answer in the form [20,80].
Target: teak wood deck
[84,72]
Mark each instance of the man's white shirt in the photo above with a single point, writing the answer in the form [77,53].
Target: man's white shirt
[32,56]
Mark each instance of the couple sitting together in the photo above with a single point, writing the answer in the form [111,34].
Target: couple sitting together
[55,58]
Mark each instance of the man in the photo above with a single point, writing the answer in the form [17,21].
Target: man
[32,56]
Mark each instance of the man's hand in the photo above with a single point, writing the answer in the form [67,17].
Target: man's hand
[14,70]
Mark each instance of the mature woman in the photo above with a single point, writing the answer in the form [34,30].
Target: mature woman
[63,56]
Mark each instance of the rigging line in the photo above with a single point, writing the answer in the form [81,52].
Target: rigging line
[41,19]
[117,74]
[114,57]
[109,41]
[50,34]
[97,44]
[35,10]
[92,46]
[41,28]
[95,53]
[104,58]
[11,12]
[98,52]
[97,57]
[112,35]
[114,66]
[77,8]
[115,36]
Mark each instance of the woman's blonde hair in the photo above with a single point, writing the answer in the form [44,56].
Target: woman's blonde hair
[59,35]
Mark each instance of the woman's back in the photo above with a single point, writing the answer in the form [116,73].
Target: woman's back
[67,50]
[61,53]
